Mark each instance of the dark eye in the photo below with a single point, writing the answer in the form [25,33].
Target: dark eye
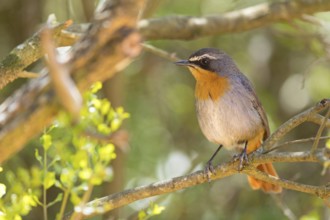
[205,62]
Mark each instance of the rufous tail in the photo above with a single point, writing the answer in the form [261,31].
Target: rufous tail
[265,186]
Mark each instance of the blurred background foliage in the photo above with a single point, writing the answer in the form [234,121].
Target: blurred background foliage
[288,64]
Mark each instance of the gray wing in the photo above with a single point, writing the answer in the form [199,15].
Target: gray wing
[256,104]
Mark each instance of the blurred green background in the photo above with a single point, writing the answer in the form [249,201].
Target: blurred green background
[288,63]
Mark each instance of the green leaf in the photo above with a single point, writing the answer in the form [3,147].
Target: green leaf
[37,156]
[97,103]
[115,124]
[142,215]
[105,107]
[49,180]
[46,141]
[80,159]
[107,152]
[103,128]
[157,209]
[2,189]
[96,87]
[56,200]
[85,174]
[74,198]
[67,177]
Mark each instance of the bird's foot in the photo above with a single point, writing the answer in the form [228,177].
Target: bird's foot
[209,170]
[243,159]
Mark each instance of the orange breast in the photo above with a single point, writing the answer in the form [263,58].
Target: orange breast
[209,84]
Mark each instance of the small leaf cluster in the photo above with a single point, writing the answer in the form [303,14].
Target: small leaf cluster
[152,210]
[74,158]
[21,196]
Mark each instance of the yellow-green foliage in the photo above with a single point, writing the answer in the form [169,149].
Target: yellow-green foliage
[74,157]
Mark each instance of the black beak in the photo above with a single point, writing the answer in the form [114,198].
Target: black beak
[182,63]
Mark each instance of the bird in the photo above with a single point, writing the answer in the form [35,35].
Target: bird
[228,110]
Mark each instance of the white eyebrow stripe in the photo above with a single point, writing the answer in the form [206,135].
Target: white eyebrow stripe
[196,58]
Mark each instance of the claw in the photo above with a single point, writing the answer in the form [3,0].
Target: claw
[243,158]
[209,170]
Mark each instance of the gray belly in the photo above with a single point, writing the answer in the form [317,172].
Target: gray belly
[228,121]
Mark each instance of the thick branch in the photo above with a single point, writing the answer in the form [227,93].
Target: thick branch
[190,27]
[25,54]
[108,46]
[226,169]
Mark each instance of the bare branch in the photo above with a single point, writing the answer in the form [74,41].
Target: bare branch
[300,141]
[284,207]
[320,191]
[319,132]
[26,74]
[294,122]
[161,53]
[190,27]
[113,201]
[25,54]
[65,88]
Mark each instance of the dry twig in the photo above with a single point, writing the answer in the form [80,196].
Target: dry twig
[190,27]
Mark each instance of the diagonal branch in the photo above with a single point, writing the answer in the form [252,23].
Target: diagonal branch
[294,122]
[116,200]
[319,132]
[25,54]
[190,27]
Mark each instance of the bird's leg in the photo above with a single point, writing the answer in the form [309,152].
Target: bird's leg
[243,159]
[209,167]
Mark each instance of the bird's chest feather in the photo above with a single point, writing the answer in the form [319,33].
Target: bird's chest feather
[226,116]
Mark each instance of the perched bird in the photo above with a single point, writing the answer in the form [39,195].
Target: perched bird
[228,110]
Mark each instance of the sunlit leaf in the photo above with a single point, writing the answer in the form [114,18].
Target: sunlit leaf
[105,107]
[67,177]
[37,156]
[142,215]
[157,209]
[107,152]
[74,198]
[96,87]
[85,174]
[115,124]
[49,180]
[46,141]
[103,128]
[97,103]
[2,189]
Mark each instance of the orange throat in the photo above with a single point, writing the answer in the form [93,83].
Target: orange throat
[209,85]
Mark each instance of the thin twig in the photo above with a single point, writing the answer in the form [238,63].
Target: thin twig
[66,90]
[294,122]
[320,191]
[319,132]
[284,207]
[318,119]
[300,141]
[26,74]
[161,53]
